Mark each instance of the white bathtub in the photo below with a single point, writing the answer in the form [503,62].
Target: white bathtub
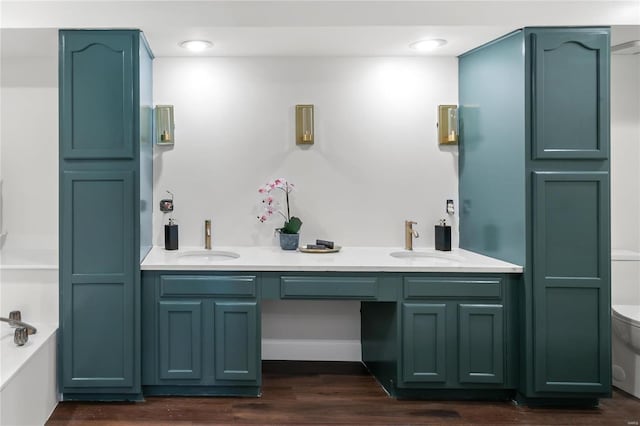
[28,283]
[28,391]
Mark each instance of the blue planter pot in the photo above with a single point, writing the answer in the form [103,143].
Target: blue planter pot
[289,241]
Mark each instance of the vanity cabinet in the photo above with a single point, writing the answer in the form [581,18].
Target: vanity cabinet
[446,332]
[471,334]
[202,333]
[537,102]
[453,331]
[105,209]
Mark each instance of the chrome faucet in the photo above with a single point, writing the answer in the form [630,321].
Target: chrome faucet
[207,234]
[409,234]
[22,329]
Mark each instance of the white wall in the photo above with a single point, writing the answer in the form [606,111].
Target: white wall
[625,152]
[374,164]
[29,171]
[29,147]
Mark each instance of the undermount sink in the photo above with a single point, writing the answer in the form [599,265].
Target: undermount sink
[407,254]
[207,256]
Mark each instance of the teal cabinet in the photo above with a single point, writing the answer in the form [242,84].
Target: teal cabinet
[453,344]
[236,341]
[97,102]
[571,276]
[202,333]
[180,339]
[424,342]
[481,343]
[551,133]
[105,92]
[454,334]
[570,93]
[97,280]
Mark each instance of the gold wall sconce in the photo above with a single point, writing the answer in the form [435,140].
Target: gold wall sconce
[304,125]
[447,124]
[164,126]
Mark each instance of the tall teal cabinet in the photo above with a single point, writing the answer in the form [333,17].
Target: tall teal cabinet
[536,103]
[105,209]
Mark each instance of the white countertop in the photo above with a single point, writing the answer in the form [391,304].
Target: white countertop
[349,259]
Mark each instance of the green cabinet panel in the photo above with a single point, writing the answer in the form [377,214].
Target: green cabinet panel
[203,285]
[96,207]
[481,343]
[424,343]
[95,355]
[572,340]
[321,287]
[145,174]
[97,94]
[570,113]
[105,211]
[443,287]
[180,339]
[97,281]
[236,341]
[571,281]
[571,227]
[491,113]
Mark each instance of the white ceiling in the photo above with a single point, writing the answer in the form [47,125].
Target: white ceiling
[304,27]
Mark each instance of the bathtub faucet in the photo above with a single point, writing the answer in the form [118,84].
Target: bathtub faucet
[31,329]
[23,330]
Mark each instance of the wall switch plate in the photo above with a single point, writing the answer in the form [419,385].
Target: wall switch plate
[450,209]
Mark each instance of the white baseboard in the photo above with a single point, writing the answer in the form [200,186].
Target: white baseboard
[311,350]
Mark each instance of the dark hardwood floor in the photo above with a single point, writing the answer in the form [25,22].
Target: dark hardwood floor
[334,393]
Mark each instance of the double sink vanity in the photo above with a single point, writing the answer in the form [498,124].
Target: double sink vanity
[430,321]
[533,189]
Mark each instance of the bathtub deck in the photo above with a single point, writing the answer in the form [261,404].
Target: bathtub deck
[28,392]
[15,358]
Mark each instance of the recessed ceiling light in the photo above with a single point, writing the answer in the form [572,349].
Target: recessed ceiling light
[427,45]
[196,45]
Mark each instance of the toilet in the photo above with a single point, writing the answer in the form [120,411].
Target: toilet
[625,320]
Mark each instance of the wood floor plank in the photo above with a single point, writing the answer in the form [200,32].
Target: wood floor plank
[333,393]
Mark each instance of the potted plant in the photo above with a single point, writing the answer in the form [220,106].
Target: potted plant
[289,233]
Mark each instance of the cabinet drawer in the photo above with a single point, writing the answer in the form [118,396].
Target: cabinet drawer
[328,287]
[197,285]
[481,288]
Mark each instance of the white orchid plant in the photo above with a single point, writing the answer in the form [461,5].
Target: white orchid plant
[271,207]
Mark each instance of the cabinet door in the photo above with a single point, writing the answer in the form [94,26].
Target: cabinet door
[98,325]
[570,94]
[180,339]
[481,343]
[237,356]
[423,342]
[571,282]
[97,94]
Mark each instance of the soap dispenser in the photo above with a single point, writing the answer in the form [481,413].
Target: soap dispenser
[443,236]
[171,235]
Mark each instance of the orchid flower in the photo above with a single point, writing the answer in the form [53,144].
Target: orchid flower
[270,206]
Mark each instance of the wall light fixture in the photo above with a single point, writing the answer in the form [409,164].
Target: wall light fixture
[304,125]
[447,124]
[164,126]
